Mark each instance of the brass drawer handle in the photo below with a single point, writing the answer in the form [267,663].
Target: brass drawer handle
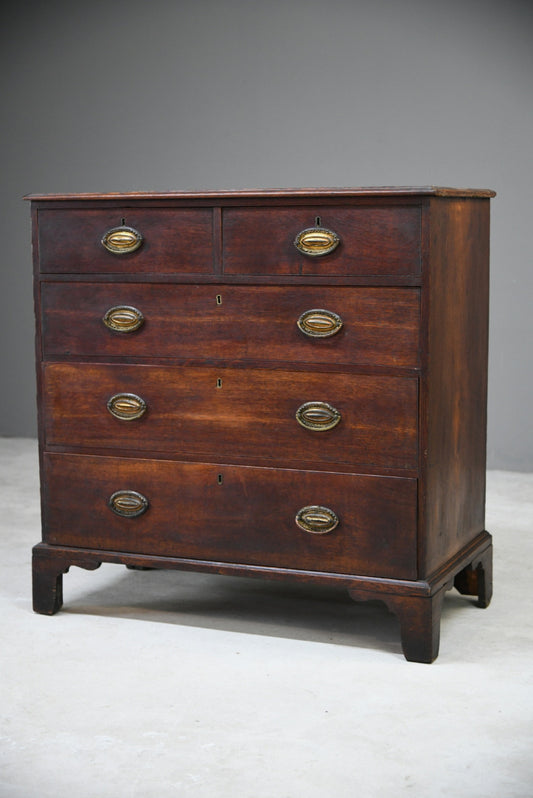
[126,406]
[123,318]
[121,240]
[318,416]
[128,503]
[316,519]
[318,323]
[316,241]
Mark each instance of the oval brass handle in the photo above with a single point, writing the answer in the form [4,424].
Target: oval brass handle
[126,406]
[128,503]
[318,323]
[316,519]
[318,416]
[123,318]
[316,241]
[121,240]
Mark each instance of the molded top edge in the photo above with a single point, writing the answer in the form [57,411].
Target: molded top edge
[378,191]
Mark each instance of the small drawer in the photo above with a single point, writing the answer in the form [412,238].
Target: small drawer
[250,415]
[308,324]
[363,240]
[168,241]
[231,514]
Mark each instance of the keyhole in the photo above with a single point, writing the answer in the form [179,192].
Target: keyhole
[123,222]
[219,299]
[219,382]
[220,479]
[318,221]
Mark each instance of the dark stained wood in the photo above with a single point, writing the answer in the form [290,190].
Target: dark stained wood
[373,280]
[417,604]
[476,578]
[272,194]
[48,567]
[419,618]
[174,240]
[47,585]
[373,240]
[219,454]
[454,387]
[419,625]
[248,518]
[249,414]
[362,588]
[419,615]
[252,323]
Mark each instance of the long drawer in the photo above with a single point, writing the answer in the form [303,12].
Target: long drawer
[308,324]
[231,412]
[288,519]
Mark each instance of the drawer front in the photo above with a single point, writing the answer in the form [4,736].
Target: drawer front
[236,413]
[371,240]
[172,240]
[233,514]
[217,322]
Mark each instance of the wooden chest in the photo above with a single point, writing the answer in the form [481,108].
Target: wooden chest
[284,384]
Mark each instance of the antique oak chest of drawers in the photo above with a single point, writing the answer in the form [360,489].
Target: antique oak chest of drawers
[284,384]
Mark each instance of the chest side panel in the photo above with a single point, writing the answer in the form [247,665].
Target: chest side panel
[454,388]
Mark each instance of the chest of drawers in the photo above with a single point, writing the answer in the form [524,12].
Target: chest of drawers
[283,384]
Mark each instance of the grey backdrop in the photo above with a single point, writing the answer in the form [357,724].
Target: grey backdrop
[192,94]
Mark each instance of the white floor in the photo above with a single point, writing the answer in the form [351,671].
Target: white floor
[155,684]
